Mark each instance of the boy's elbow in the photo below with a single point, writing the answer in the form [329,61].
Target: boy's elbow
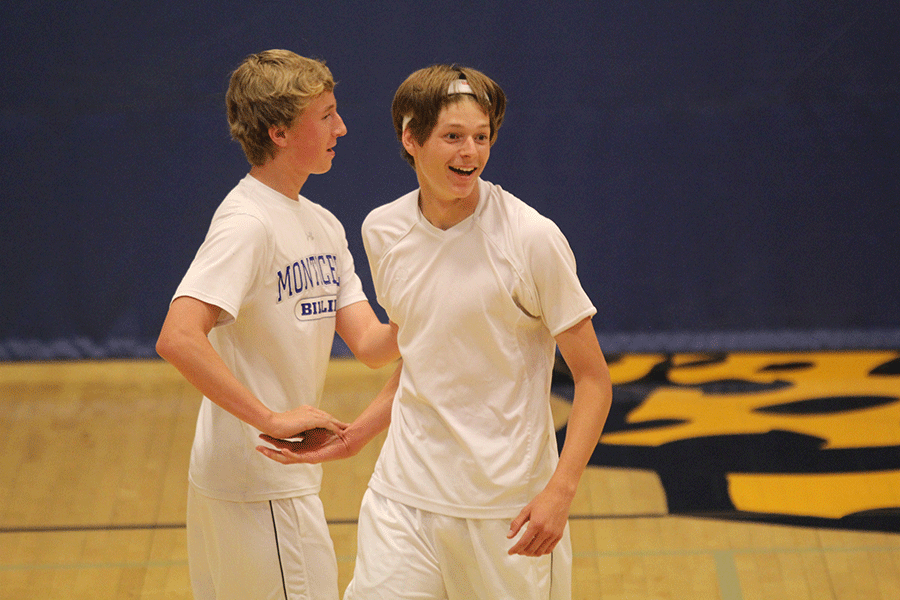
[372,361]
[597,377]
[170,344]
[376,353]
[164,347]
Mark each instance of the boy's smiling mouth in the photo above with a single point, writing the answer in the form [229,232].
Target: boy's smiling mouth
[460,171]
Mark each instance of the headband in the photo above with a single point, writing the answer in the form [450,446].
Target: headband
[457,86]
[460,86]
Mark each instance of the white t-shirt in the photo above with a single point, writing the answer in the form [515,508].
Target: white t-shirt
[477,306]
[279,269]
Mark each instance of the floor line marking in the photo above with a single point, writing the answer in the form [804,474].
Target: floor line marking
[727,575]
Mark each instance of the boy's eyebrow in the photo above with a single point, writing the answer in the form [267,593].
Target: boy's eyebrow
[323,111]
[484,125]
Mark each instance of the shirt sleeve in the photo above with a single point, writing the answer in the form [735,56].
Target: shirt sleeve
[373,246]
[226,264]
[551,263]
[351,290]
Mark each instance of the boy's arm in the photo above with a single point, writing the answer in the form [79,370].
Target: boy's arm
[372,342]
[548,513]
[183,342]
[372,421]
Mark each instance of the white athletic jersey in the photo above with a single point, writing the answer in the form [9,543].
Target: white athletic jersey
[279,269]
[477,306]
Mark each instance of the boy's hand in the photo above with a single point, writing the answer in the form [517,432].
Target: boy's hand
[547,516]
[294,423]
[313,446]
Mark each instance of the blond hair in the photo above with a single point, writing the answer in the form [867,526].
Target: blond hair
[419,100]
[271,88]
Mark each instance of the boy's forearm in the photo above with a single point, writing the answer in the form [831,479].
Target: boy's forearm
[590,405]
[590,408]
[195,358]
[376,417]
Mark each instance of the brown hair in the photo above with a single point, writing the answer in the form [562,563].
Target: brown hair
[425,93]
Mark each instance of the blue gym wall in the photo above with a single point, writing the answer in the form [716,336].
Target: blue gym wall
[726,172]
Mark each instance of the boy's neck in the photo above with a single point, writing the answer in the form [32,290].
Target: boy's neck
[444,214]
[281,180]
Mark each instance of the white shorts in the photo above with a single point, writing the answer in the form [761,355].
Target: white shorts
[278,549]
[405,553]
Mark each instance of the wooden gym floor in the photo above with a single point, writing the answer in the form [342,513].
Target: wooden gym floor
[720,477]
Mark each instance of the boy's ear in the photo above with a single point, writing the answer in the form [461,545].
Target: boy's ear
[407,140]
[278,135]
